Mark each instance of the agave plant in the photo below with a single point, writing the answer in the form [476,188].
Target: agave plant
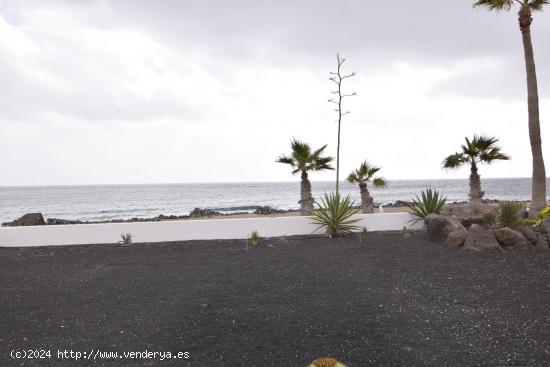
[334,214]
[431,203]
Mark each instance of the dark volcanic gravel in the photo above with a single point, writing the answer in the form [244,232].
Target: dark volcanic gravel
[388,300]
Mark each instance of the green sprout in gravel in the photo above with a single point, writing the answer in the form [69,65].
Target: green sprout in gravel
[254,238]
[126,239]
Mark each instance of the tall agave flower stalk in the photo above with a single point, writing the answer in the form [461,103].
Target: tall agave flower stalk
[338,78]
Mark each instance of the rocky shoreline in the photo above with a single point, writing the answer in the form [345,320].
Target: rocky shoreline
[37,219]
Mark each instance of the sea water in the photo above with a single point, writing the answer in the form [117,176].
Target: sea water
[105,202]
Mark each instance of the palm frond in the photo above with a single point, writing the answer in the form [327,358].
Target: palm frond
[322,163]
[495,4]
[300,151]
[372,171]
[493,155]
[482,142]
[353,178]
[285,160]
[302,159]
[538,5]
[454,161]
[380,182]
[363,169]
[319,151]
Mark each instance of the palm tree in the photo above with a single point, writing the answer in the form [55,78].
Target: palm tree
[481,149]
[527,7]
[303,160]
[362,176]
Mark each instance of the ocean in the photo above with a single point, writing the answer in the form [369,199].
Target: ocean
[106,202]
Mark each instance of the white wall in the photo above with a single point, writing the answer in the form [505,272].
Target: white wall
[186,230]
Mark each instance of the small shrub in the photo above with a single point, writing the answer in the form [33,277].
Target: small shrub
[254,238]
[334,214]
[126,238]
[431,203]
[509,214]
[489,219]
[543,214]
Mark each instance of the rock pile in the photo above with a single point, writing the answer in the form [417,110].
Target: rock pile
[450,231]
[199,213]
[266,210]
[29,219]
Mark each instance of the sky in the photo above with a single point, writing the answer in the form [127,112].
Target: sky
[138,91]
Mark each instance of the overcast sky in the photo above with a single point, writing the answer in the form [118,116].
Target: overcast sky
[139,91]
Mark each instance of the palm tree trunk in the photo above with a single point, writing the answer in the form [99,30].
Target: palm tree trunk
[475,186]
[538,193]
[306,200]
[367,205]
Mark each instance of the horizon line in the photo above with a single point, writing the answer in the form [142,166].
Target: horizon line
[246,182]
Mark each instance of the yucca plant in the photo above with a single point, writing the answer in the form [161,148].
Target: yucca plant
[431,202]
[334,214]
[509,214]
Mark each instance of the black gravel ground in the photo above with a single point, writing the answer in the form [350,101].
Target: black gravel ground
[388,300]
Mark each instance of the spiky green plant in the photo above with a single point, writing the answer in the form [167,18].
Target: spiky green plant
[126,238]
[254,238]
[334,215]
[509,214]
[431,203]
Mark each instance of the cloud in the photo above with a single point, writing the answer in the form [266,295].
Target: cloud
[133,91]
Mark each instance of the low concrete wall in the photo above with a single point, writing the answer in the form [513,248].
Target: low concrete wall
[186,230]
